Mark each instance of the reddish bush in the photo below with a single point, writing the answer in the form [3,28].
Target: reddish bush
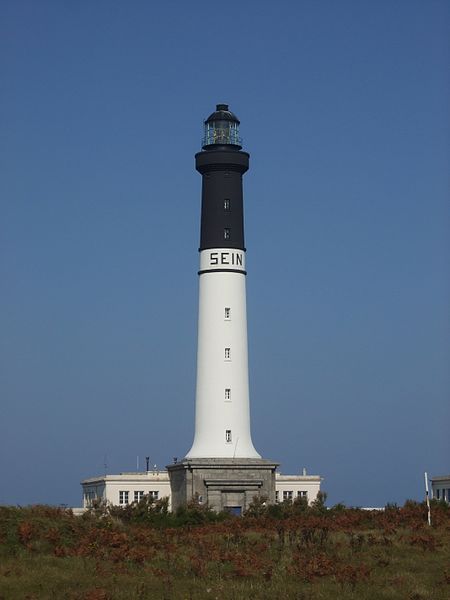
[309,568]
[25,532]
[425,541]
[352,575]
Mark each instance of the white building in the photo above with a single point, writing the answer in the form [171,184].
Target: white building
[126,488]
[290,487]
[440,487]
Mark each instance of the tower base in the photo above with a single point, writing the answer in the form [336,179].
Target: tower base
[222,483]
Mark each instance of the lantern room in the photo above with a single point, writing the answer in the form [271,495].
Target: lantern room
[222,129]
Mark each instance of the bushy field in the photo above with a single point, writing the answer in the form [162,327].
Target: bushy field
[288,551]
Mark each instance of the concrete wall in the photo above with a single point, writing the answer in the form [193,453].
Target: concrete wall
[222,483]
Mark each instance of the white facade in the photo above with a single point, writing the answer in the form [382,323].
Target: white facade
[440,488]
[126,488]
[222,408]
[290,487]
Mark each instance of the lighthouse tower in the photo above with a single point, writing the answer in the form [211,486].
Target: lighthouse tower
[222,412]
[222,468]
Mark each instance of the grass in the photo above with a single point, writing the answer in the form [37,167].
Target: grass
[299,553]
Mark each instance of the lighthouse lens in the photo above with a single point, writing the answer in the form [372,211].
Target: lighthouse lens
[221,133]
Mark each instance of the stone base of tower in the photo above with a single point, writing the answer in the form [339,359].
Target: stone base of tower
[222,483]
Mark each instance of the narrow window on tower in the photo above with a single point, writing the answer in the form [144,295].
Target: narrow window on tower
[227,394]
[226,205]
[226,233]
[228,436]
[227,313]
[227,353]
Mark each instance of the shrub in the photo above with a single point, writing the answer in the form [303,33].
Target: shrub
[318,505]
[258,507]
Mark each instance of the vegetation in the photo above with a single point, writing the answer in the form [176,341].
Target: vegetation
[288,551]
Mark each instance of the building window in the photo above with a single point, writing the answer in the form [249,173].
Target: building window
[138,496]
[123,497]
[227,313]
[227,353]
[89,497]
[302,494]
[287,495]
[277,496]
[228,436]
[154,495]
[227,394]
[438,493]
[226,233]
[226,205]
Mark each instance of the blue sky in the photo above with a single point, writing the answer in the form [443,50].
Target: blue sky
[344,110]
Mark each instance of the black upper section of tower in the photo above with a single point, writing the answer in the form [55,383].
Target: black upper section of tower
[222,164]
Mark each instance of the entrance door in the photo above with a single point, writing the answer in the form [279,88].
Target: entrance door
[234,510]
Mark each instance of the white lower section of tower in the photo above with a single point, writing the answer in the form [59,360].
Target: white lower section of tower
[222,411]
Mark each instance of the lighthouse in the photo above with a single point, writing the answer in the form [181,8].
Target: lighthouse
[222,411]
[222,468]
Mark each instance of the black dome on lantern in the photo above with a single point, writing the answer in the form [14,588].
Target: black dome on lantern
[222,114]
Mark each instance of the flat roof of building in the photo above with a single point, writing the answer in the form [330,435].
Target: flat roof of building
[440,478]
[304,478]
[138,476]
